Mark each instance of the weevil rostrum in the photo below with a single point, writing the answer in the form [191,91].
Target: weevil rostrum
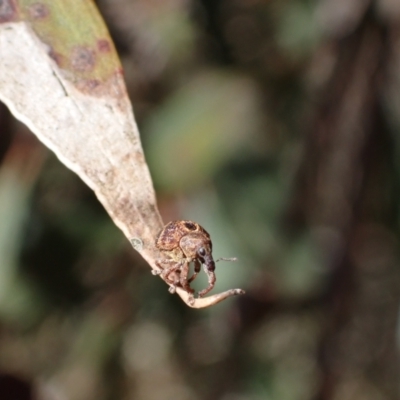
[183,242]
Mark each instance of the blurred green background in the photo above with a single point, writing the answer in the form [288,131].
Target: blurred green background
[275,124]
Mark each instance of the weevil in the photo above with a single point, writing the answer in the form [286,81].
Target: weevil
[183,242]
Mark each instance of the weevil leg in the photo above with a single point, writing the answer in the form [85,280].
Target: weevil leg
[168,271]
[160,264]
[211,281]
[197,267]
[172,283]
[165,272]
[184,277]
[179,267]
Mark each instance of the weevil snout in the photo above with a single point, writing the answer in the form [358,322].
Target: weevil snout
[208,261]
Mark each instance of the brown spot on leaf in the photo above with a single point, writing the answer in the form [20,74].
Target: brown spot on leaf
[113,87]
[104,46]
[88,85]
[83,59]
[57,57]
[8,10]
[38,11]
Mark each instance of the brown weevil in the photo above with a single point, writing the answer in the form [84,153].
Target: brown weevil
[183,242]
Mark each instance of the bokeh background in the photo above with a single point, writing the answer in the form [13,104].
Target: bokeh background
[276,125]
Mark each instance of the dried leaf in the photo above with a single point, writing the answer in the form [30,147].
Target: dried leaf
[61,76]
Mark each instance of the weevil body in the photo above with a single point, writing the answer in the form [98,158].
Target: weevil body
[183,242]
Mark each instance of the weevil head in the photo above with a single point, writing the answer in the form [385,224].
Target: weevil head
[198,246]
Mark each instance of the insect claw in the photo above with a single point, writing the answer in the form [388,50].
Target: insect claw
[172,289]
[191,299]
[156,271]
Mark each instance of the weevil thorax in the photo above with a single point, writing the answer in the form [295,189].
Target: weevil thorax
[192,243]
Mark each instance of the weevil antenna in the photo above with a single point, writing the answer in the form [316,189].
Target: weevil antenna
[226,259]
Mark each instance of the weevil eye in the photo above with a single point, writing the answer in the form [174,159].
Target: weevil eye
[201,252]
